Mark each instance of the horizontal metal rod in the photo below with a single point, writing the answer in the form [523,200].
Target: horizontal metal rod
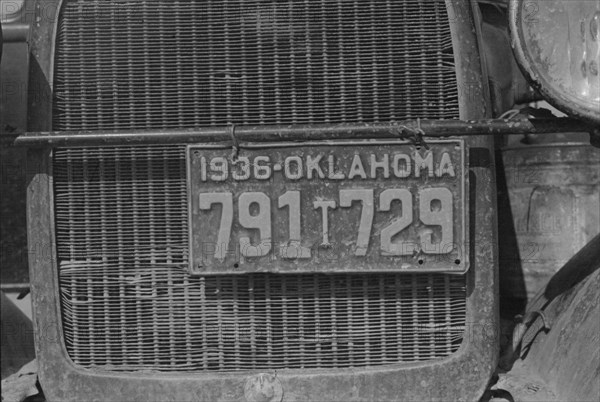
[14,287]
[408,129]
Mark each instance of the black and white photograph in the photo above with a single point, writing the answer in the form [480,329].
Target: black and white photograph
[300,200]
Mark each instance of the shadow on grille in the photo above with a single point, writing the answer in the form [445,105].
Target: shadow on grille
[129,304]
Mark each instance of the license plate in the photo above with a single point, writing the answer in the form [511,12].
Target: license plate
[351,206]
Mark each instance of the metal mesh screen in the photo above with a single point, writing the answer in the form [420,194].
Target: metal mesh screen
[128,302]
[172,64]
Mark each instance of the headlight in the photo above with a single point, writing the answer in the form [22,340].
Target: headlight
[557,44]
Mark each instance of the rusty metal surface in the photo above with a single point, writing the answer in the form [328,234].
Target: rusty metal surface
[536,318]
[410,129]
[554,197]
[524,385]
[573,319]
[329,238]
[469,368]
[560,353]
[463,376]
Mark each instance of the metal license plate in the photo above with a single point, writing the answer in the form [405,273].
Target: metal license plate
[352,206]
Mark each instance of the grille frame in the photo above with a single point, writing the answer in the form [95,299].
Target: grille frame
[45,278]
[477,346]
[473,363]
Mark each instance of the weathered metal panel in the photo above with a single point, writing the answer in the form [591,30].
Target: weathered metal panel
[554,193]
[560,337]
[338,185]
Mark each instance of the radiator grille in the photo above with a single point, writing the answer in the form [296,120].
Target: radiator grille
[128,303]
[171,64]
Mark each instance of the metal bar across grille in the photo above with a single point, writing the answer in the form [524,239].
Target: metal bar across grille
[128,302]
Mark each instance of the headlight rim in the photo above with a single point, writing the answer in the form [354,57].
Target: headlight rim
[559,99]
